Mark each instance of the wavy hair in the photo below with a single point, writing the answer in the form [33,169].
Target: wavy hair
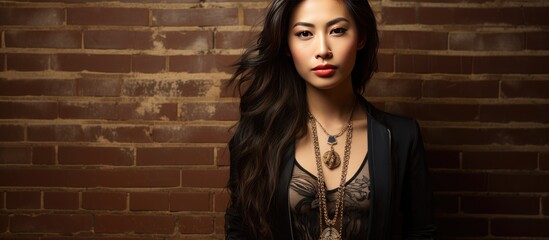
[273,108]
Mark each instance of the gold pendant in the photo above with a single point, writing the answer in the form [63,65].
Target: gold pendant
[330,233]
[331,159]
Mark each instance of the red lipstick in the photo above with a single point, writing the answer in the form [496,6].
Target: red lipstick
[324,70]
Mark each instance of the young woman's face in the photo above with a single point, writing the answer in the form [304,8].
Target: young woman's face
[323,42]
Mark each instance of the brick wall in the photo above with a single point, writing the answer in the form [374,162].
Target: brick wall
[113,121]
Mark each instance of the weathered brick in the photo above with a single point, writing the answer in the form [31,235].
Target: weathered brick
[99,87]
[23,200]
[28,110]
[500,160]
[524,89]
[43,39]
[15,155]
[61,200]
[91,62]
[190,201]
[220,111]
[114,39]
[205,178]
[202,63]
[195,134]
[108,16]
[27,62]
[413,40]
[149,224]
[189,40]
[378,87]
[170,88]
[118,156]
[43,155]
[32,16]
[234,40]
[486,41]
[37,87]
[174,156]
[460,89]
[11,132]
[196,224]
[148,63]
[149,201]
[195,17]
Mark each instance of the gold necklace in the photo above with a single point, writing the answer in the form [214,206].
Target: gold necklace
[330,232]
[331,158]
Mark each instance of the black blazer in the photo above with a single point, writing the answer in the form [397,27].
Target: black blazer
[401,194]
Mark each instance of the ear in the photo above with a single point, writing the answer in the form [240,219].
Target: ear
[361,44]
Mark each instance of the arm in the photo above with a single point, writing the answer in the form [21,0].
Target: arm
[416,203]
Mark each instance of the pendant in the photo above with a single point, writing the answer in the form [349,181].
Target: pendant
[331,159]
[330,233]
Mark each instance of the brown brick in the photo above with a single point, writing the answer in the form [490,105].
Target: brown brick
[442,159]
[520,227]
[222,156]
[386,62]
[398,15]
[461,89]
[149,224]
[220,224]
[253,17]
[54,133]
[234,40]
[15,155]
[188,134]
[221,201]
[23,200]
[39,87]
[117,111]
[115,39]
[168,88]
[11,132]
[27,62]
[487,41]
[133,134]
[445,204]
[515,113]
[104,200]
[480,136]
[118,156]
[61,200]
[413,40]
[196,224]
[524,89]
[202,63]
[51,223]
[502,15]
[113,178]
[518,182]
[435,112]
[28,110]
[544,161]
[192,201]
[431,64]
[42,39]
[500,205]
[195,17]
[32,16]
[220,111]
[149,201]
[459,181]
[462,227]
[108,16]
[4,221]
[148,63]
[99,87]
[189,40]
[174,156]
[536,15]
[537,40]
[93,63]
[205,178]
[500,160]
[43,155]
[511,64]
[378,87]
[545,205]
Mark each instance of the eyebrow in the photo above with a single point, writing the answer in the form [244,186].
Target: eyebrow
[330,23]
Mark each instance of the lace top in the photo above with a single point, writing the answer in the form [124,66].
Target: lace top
[304,204]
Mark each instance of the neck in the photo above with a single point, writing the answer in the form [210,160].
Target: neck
[332,107]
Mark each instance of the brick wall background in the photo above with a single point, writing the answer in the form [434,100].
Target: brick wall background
[113,122]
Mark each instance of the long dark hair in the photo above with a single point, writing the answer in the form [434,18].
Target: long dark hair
[273,108]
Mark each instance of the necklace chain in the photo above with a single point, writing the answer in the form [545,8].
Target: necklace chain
[323,209]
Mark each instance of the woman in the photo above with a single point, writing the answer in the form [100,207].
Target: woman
[310,157]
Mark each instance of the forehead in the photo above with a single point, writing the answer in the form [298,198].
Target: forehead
[319,11]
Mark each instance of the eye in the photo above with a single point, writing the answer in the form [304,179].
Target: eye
[304,34]
[338,31]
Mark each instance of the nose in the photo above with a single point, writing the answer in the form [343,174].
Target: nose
[324,51]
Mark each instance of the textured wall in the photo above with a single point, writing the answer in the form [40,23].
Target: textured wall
[113,121]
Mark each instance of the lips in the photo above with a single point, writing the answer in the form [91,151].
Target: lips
[324,70]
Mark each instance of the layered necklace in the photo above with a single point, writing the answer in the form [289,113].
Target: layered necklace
[329,232]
